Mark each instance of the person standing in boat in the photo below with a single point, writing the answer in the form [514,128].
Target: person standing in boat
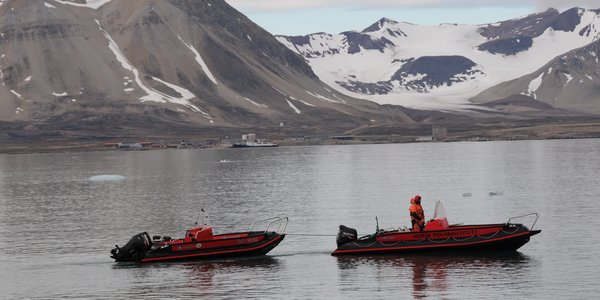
[417,215]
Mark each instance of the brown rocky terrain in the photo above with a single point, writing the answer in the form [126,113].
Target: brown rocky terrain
[158,67]
[75,74]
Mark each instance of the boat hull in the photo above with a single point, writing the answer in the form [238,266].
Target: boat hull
[245,248]
[495,237]
[265,145]
[230,245]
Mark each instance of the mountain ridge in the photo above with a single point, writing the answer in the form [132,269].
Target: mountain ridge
[172,63]
[498,51]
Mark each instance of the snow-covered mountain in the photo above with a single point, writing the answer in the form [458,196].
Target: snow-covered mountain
[570,81]
[103,65]
[442,66]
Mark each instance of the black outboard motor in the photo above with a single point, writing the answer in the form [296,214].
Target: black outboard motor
[345,235]
[134,250]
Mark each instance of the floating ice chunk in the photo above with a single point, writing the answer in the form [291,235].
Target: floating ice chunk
[99,178]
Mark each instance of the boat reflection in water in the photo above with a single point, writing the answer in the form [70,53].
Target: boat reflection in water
[432,275]
[207,279]
[210,279]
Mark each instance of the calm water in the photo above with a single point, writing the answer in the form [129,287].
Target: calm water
[57,226]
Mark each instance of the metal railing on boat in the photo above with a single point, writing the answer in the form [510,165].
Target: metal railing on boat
[279,222]
[523,216]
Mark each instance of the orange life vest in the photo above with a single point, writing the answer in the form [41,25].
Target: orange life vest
[417,216]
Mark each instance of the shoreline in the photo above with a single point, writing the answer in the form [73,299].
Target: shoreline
[81,147]
[70,143]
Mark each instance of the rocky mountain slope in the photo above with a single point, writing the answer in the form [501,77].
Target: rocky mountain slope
[146,66]
[441,67]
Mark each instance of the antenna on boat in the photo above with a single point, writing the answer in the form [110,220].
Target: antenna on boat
[206,219]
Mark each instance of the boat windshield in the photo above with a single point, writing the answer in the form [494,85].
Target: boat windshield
[439,211]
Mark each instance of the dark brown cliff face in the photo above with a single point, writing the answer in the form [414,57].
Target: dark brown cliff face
[160,64]
[514,36]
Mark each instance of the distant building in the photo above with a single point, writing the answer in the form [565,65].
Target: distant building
[424,139]
[439,133]
[129,146]
[343,137]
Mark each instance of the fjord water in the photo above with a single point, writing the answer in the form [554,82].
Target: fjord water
[57,226]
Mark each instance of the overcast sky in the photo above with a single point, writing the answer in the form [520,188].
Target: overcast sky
[300,17]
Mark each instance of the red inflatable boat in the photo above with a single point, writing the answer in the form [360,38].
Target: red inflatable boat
[201,243]
[438,236]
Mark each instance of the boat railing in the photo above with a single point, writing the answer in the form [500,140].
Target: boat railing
[271,223]
[523,216]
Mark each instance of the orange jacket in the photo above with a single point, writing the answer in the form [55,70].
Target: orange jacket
[417,215]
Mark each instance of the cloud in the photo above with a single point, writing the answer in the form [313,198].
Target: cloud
[290,5]
[562,4]
[287,5]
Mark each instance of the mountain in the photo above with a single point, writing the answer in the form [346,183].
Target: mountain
[570,81]
[101,67]
[441,67]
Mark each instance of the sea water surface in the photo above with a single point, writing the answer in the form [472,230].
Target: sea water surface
[60,214]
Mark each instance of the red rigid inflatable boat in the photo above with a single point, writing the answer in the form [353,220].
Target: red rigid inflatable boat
[438,236]
[200,243]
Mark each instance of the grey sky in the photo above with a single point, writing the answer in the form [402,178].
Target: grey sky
[295,17]
[282,5]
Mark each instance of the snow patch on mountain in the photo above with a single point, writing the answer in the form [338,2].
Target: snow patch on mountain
[95,4]
[183,100]
[534,85]
[16,94]
[569,78]
[324,98]
[200,61]
[256,103]
[152,94]
[303,102]
[296,110]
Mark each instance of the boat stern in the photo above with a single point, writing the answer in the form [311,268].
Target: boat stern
[134,250]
